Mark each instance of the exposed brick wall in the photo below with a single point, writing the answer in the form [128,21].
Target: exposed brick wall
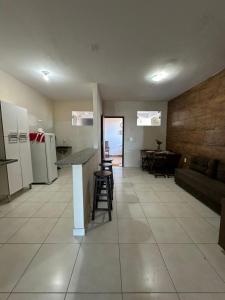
[196,120]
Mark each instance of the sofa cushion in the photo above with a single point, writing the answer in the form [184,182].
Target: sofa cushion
[209,188]
[220,175]
[204,165]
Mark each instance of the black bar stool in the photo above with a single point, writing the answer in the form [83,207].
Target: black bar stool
[107,160]
[108,167]
[103,188]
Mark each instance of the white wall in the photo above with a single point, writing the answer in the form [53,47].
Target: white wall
[143,137]
[38,106]
[97,108]
[79,137]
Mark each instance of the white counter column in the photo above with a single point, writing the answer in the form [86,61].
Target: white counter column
[83,163]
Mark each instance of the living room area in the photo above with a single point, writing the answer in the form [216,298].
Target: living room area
[132,93]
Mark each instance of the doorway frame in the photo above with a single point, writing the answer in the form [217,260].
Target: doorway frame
[102,135]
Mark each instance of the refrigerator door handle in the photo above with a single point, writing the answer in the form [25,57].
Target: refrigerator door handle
[23,137]
[13,137]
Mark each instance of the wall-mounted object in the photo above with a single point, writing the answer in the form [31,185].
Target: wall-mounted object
[14,144]
[82,118]
[43,153]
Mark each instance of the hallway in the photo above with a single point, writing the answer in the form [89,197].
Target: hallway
[161,245]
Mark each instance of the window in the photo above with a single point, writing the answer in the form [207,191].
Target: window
[82,118]
[148,118]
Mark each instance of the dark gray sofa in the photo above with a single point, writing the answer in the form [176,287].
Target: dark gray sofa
[204,179]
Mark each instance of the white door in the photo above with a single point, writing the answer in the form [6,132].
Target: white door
[39,163]
[24,146]
[25,161]
[14,169]
[9,118]
[51,157]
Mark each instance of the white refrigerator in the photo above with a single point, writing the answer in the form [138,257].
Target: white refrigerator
[15,132]
[43,156]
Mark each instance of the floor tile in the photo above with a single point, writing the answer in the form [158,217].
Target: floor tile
[68,212]
[135,231]
[147,196]
[160,187]
[63,232]
[105,232]
[125,185]
[93,297]
[189,270]
[37,196]
[143,269]
[202,296]
[168,196]
[126,197]
[5,208]
[25,210]
[168,230]
[216,257]
[181,210]
[199,230]
[129,210]
[34,231]
[13,262]
[97,269]
[214,222]
[50,270]
[156,210]
[60,197]
[9,226]
[143,187]
[50,210]
[150,296]
[202,209]
[4,296]
[32,296]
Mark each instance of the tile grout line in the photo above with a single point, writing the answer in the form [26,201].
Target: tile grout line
[72,271]
[117,221]
[212,266]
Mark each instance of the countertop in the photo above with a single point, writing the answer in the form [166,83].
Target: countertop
[4,162]
[77,158]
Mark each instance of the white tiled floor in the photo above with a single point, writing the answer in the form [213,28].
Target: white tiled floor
[160,245]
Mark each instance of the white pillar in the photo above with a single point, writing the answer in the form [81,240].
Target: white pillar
[78,201]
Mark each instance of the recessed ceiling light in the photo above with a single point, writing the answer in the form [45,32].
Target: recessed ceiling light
[160,76]
[45,75]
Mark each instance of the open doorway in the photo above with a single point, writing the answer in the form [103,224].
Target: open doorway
[113,139]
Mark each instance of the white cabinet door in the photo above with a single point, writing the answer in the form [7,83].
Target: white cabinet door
[39,163]
[22,119]
[14,169]
[9,118]
[51,157]
[26,164]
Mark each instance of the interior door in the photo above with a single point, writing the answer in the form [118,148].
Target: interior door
[24,146]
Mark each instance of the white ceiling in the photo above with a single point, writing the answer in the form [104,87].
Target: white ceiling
[113,42]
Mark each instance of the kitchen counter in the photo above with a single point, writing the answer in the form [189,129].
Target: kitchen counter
[77,158]
[83,164]
[4,162]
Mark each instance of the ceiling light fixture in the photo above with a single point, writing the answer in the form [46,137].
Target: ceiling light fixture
[45,75]
[160,76]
